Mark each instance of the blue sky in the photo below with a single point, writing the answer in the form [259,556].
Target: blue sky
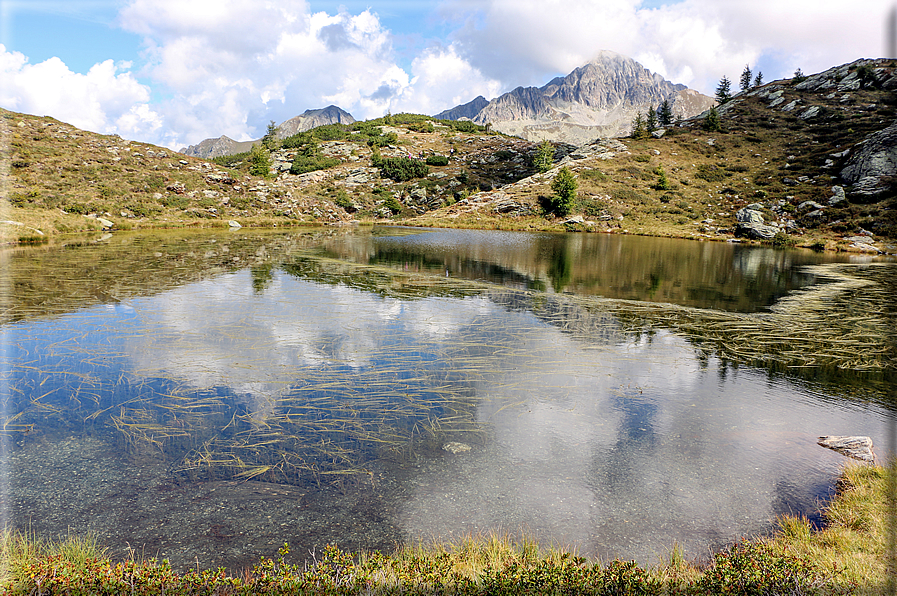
[174,72]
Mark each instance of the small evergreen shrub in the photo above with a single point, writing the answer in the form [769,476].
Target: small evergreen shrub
[402,169]
[593,175]
[393,204]
[662,182]
[437,160]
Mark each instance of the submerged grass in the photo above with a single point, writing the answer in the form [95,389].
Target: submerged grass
[848,556]
[326,429]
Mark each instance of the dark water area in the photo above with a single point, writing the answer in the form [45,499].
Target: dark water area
[206,397]
[725,276]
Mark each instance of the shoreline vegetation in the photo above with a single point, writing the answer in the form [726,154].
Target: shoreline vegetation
[851,554]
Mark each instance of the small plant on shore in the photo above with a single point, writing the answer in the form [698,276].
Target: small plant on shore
[782,240]
[758,568]
[392,204]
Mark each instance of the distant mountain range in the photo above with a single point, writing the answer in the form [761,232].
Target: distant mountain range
[309,119]
[599,99]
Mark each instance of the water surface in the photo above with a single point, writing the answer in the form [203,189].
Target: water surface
[207,397]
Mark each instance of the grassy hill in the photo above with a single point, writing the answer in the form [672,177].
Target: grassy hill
[772,152]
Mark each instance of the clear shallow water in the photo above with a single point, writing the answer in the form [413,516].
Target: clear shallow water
[206,398]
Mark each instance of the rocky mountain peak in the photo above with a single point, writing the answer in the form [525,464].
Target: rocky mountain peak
[598,99]
[308,120]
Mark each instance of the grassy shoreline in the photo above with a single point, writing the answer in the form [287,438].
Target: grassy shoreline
[849,555]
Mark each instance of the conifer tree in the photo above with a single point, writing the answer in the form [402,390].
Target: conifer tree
[746,78]
[662,182]
[758,80]
[544,159]
[260,161]
[665,113]
[723,90]
[638,127]
[651,120]
[799,76]
[270,138]
[564,187]
[711,121]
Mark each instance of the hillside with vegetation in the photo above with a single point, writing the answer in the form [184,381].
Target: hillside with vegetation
[810,160]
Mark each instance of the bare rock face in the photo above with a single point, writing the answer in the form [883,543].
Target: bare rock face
[855,447]
[873,163]
[599,99]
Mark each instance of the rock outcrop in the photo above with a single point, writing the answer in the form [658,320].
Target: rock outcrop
[872,168]
[599,99]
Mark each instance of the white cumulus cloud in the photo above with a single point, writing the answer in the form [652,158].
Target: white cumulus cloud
[694,42]
[103,100]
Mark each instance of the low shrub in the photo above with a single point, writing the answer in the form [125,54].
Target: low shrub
[437,160]
[711,173]
[756,568]
[592,175]
[303,164]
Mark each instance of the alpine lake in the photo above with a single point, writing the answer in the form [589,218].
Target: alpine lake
[204,397]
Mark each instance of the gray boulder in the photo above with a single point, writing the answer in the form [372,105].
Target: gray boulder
[750,224]
[808,205]
[873,162]
[856,447]
[837,196]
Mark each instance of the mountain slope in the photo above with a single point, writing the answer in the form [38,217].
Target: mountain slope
[599,99]
[468,110]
